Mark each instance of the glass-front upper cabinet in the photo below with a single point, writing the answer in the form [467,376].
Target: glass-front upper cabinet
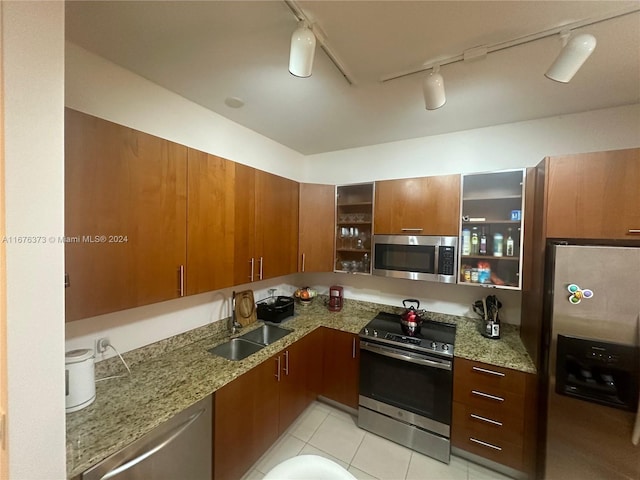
[491,230]
[354,226]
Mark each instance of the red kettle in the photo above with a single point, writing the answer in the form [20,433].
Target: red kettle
[411,319]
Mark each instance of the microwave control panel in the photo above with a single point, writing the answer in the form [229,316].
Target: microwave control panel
[446,260]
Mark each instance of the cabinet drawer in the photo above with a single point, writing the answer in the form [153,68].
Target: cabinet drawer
[492,424]
[499,451]
[483,376]
[489,400]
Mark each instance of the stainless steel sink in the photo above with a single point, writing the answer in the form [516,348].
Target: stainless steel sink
[236,349]
[266,334]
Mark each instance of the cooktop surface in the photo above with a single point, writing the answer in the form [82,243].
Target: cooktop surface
[434,337]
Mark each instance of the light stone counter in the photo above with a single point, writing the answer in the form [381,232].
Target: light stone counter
[173,374]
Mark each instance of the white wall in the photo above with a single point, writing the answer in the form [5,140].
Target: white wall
[33,43]
[513,145]
[98,87]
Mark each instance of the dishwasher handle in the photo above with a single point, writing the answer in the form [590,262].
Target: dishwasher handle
[175,433]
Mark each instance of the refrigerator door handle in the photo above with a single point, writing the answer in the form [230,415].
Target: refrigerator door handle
[635,436]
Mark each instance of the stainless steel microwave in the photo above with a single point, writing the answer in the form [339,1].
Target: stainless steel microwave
[416,257]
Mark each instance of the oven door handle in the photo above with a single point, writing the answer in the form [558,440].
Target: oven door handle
[387,352]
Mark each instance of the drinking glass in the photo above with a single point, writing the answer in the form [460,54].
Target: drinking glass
[354,235]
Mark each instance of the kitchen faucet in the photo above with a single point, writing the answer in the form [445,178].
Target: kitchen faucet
[235,327]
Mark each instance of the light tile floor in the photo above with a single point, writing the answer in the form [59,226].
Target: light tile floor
[331,433]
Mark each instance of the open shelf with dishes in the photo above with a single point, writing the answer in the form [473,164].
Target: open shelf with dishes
[354,226]
[491,229]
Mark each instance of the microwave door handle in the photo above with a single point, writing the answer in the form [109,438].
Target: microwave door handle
[635,436]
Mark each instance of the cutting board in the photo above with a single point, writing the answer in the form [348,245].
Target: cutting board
[245,308]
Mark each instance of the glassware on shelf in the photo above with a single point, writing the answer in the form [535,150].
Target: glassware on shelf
[344,233]
[353,235]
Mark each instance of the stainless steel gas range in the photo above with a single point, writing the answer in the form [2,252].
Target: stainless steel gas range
[406,384]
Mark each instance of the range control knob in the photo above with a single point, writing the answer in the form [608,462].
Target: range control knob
[366,331]
[445,347]
[375,333]
[434,345]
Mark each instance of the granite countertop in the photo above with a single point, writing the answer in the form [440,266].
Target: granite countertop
[174,374]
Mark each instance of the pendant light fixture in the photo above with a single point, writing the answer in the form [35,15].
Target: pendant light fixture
[573,55]
[433,90]
[303,49]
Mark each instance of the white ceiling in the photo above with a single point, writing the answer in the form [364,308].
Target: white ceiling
[207,51]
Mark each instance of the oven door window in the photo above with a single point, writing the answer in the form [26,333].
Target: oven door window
[405,258]
[416,388]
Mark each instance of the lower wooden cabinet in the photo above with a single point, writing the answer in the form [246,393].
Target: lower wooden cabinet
[251,412]
[341,366]
[494,414]
[300,370]
[245,421]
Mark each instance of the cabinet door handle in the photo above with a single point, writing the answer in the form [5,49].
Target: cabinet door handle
[486,395]
[411,229]
[490,372]
[485,444]
[252,262]
[488,420]
[278,368]
[260,270]
[353,348]
[181,280]
[303,262]
[286,363]
[67,282]
[634,231]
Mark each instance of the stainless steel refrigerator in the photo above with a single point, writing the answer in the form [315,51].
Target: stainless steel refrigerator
[592,338]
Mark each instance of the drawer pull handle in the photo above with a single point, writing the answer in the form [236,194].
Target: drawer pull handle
[488,420]
[485,444]
[634,231]
[486,395]
[490,372]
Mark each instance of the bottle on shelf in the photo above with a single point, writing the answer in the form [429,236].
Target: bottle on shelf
[483,243]
[466,241]
[475,242]
[497,244]
[509,248]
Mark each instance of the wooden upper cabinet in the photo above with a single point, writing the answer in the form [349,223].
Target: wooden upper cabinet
[210,222]
[316,227]
[594,195]
[418,206]
[125,216]
[244,267]
[276,208]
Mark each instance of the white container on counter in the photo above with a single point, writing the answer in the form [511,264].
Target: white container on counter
[80,385]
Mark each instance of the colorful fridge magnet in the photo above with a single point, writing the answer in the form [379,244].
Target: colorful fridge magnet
[577,293]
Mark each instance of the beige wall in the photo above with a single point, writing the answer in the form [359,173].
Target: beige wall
[4,458]
[33,65]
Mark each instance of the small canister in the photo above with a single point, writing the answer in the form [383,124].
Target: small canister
[80,385]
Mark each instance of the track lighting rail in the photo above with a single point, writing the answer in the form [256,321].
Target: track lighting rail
[471,53]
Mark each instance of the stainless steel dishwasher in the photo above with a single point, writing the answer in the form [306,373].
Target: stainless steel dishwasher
[179,448]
